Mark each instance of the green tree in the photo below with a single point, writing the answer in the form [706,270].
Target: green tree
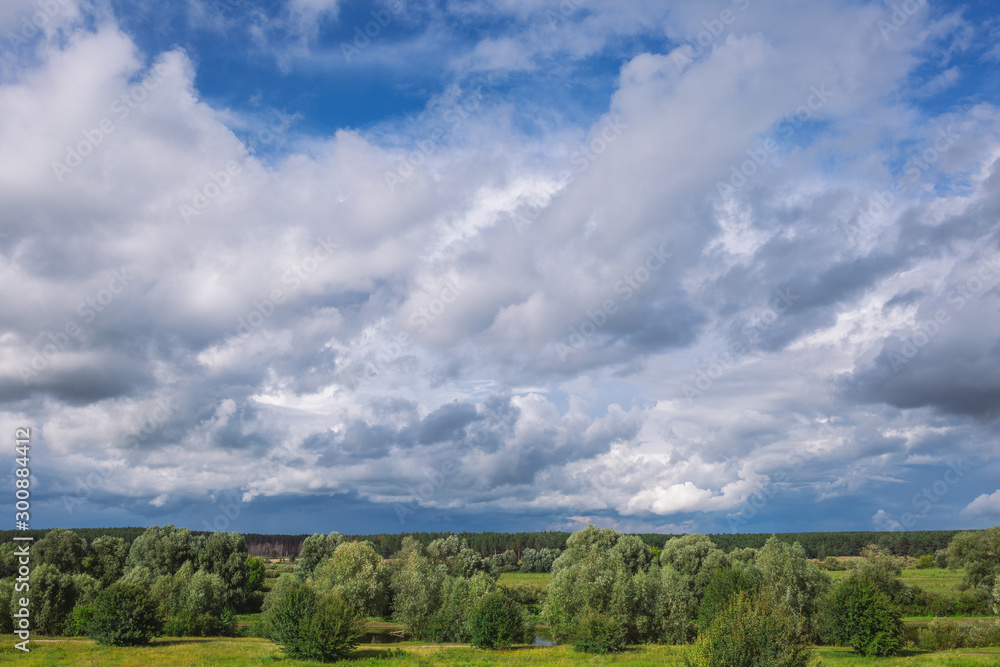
[884,570]
[332,631]
[751,631]
[311,625]
[978,551]
[106,558]
[287,612]
[194,603]
[864,617]
[162,549]
[695,556]
[459,598]
[225,555]
[63,549]
[315,549]
[725,584]
[793,582]
[256,573]
[124,615]
[498,622]
[356,573]
[8,605]
[416,587]
[634,554]
[8,560]
[599,634]
[52,596]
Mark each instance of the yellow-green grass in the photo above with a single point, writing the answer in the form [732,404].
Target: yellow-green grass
[932,580]
[246,651]
[536,579]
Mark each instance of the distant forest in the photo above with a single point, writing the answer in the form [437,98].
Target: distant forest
[817,545]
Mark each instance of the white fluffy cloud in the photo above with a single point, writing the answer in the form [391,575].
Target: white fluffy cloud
[211,317]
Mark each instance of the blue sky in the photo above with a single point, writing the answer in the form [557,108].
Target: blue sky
[502,264]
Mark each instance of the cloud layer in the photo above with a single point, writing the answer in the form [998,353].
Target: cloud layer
[732,266]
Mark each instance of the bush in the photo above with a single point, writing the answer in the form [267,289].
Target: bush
[725,583]
[982,635]
[864,618]
[941,635]
[124,615]
[498,622]
[309,625]
[78,621]
[598,633]
[332,631]
[752,631]
[925,562]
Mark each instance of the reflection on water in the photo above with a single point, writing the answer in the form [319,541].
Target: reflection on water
[543,638]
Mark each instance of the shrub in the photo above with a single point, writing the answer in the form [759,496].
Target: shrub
[331,632]
[498,622]
[925,562]
[725,583]
[312,626]
[752,631]
[982,635]
[124,615]
[864,618]
[287,610]
[942,634]
[78,621]
[598,633]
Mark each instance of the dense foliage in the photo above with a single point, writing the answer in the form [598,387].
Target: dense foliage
[864,617]
[312,625]
[498,622]
[751,631]
[124,615]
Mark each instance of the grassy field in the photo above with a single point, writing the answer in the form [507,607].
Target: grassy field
[238,652]
[536,579]
[933,580]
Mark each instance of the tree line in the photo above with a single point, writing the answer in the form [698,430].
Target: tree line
[608,590]
[816,545]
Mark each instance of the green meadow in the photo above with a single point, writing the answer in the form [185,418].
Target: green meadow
[216,651]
